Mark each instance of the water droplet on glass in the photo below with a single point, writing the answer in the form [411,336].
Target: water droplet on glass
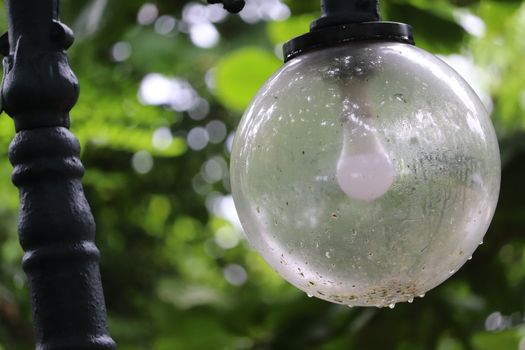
[393,305]
[469,258]
[400,98]
[480,243]
[411,300]
[327,254]
[452,271]
[422,295]
[309,295]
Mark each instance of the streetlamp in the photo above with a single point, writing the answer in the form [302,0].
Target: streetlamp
[56,227]
[365,171]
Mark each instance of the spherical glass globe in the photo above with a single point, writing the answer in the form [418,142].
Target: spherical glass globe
[366,174]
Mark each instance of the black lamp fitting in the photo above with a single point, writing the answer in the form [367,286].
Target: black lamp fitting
[338,12]
[345,21]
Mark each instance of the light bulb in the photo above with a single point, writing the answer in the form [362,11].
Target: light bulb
[365,173]
[365,176]
[364,169]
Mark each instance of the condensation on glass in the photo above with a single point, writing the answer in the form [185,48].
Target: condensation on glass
[366,174]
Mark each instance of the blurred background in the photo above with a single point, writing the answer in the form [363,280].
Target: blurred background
[163,86]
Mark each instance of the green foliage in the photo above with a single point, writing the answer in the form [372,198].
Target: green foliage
[241,73]
[165,246]
[432,21]
[502,340]
[282,31]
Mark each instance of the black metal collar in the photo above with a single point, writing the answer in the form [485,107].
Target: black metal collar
[335,35]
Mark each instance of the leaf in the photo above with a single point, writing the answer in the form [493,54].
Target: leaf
[497,15]
[280,32]
[240,74]
[499,340]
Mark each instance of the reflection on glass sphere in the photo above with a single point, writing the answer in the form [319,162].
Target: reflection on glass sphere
[366,174]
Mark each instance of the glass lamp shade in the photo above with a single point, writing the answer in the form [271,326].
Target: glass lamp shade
[366,174]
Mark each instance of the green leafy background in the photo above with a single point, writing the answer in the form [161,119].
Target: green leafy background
[163,265]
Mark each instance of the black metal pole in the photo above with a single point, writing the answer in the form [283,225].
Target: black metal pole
[56,226]
[339,12]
